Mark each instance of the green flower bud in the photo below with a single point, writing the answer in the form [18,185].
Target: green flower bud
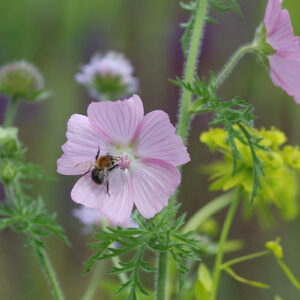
[275,247]
[210,227]
[9,140]
[7,172]
[21,80]
[261,46]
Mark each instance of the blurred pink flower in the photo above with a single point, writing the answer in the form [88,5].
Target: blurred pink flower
[92,217]
[285,63]
[147,149]
[108,76]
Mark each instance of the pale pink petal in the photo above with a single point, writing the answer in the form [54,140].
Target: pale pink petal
[282,37]
[272,14]
[156,138]
[285,73]
[81,146]
[117,207]
[116,121]
[154,182]
[87,216]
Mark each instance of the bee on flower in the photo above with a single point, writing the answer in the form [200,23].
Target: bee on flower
[108,76]
[125,158]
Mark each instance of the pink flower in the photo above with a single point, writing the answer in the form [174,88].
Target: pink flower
[285,63]
[145,151]
[91,217]
[108,76]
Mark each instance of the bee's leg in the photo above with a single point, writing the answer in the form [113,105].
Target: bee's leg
[86,172]
[107,186]
[106,183]
[98,152]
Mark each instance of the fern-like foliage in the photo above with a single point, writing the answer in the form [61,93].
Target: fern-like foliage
[161,233]
[228,114]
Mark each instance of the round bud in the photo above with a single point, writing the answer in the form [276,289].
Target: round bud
[8,172]
[21,80]
[9,142]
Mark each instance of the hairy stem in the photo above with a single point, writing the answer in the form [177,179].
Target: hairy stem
[190,69]
[223,239]
[94,282]
[11,112]
[52,277]
[208,210]
[162,275]
[233,60]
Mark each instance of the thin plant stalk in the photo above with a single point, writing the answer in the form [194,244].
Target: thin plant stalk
[52,278]
[233,60]
[184,121]
[11,112]
[222,242]
[211,208]
[94,282]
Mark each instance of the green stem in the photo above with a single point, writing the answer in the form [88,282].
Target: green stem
[95,280]
[52,277]
[191,64]
[223,238]
[115,260]
[162,275]
[122,276]
[11,112]
[244,258]
[208,210]
[233,60]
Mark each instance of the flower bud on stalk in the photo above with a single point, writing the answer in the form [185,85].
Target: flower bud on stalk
[22,80]
[8,172]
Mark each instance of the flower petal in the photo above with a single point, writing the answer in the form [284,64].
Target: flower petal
[116,121]
[285,73]
[281,35]
[156,138]
[154,182]
[272,14]
[82,145]
[117,206]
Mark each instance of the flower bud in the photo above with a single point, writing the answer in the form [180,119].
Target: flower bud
[275,247]
[21,80]
[8,172]
[8,140]
[261,46]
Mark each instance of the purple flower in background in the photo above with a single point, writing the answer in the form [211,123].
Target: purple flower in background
[91,217]
[108,76]
[126,158]
[285,63]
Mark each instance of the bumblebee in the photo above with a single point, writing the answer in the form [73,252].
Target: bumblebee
[99,168]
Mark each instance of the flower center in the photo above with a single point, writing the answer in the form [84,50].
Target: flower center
[123,162]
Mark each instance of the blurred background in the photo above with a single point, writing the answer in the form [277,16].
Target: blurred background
[58,36]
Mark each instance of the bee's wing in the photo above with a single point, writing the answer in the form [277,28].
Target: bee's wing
[85,166]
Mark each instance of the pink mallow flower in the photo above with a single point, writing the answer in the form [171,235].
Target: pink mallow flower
[285,63]
[146,152]
[108,76]
[92,218]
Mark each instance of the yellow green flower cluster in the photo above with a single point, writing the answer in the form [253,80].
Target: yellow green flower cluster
[281,165]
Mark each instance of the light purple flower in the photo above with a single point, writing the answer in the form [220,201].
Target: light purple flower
[109,75]
[285,63]
[149,150]
[92,217]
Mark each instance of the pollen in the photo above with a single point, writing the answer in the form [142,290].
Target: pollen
[123,162]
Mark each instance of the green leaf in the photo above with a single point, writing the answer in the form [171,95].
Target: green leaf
[201,292]
[204,277]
